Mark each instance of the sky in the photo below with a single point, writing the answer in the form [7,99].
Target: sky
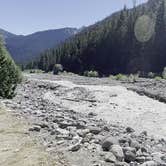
[29,16]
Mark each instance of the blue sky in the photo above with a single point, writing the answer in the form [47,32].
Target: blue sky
[28,16]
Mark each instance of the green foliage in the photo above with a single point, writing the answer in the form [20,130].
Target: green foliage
[133,78]
[164,73]
[9,73]
[57,68]
[91,74]
[158,78]
[121,77]
[151,75]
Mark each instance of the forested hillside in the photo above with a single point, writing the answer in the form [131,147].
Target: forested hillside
[9,73]
[128,41]
[26,48]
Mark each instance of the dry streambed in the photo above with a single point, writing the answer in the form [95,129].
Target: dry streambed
[93,125]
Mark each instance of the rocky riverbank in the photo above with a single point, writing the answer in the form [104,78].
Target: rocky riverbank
[66,118]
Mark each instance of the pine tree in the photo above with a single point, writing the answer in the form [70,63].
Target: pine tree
[9,73]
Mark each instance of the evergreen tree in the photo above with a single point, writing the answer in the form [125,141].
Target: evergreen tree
[9,73]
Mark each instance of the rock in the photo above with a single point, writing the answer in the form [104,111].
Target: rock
[157,157]
[129,156]
[42,125]
[144,133]
[135,144]
[75,147]
[133,150]
[92,114]
[140,159]
[94,130]
[130,130]
[108,142]
[163,158]
[125,140]
[118,152]
[109,157]
[121,164]
[83,133]
[149,163]
[35,128]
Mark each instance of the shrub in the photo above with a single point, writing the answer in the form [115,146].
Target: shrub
[112,77]
[164,73]
[57,68]
[10,74]
[133,78]
[91,74]
[121,77]
[151,75]
[158,78]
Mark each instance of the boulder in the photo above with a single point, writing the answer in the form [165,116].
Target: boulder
[108,142]
[109,157]
[118,152]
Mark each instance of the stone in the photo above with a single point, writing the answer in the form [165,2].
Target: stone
[124,140]
[94,130]
[118,152]
[149,163]
[108,142]
[121,164]
[109,157]
[35,128]
[140,159]
[129,156]
[130,130]
[135,144]
[92,114]
[75,147]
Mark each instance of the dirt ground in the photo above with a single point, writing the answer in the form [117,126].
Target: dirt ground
[17,148]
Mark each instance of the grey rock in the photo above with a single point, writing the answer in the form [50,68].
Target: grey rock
[149,163]
[140,159]
[130,130]
[75,147]
[121,164]
[118,152]
[35,128]
[94,130]
[109,157]
[108,142]
[129,156]
[135,144]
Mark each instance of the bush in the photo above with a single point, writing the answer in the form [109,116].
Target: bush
[112,77]
[164,73]
[151,75]
[91,74]
[158,78]
[10,74]
[133,78]
[121,77]
[57,68]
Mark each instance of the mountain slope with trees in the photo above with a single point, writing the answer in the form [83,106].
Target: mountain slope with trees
[128,41]
[26,48]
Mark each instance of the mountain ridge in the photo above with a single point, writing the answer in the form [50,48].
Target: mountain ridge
[24,48]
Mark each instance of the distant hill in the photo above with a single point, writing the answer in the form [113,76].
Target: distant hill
[6,34]
[128,41]
[26,48]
